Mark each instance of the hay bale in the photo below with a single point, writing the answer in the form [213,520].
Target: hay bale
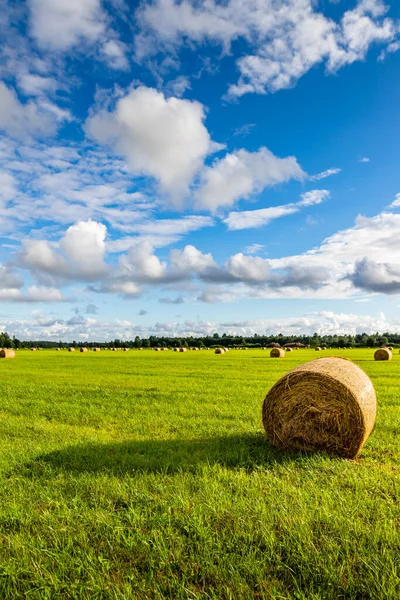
[277,353]
[383,354]
[327,404]
[182,349]
[126,349]
[7,353]
[317,349]
[71,349]
[83,350]
[176,349]
[219,351]
[96,349]
[33,349]
[390,348]
[289,349]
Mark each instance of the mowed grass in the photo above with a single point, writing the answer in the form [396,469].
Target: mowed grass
[147,475]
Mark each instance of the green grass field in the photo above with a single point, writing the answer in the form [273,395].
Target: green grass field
[147,475]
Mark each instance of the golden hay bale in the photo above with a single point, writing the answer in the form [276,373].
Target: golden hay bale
[390,348]
[317,349]
[71,349]
[289,349]
[219,351]
[326,404]
[7,353]
[277,353]
[96,349]
[383,354]
[176,349]
[126,349]
[33,349]
[83,349]
[182,349]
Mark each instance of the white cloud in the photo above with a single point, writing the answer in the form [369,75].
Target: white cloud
[365,160]
[62,24]
[83,251]
[33,294]
[248,219]
[313,197]
[285,39]
[115,55]
[161,137]
[8,188]
[396,202]
[253,249]
[241,174]
[324,174]
[84,245]
[21,120]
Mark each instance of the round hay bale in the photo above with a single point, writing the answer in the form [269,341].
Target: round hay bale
[289,349]
[7,353]
[219,351]
[182,349]
[317,349]
[96,349]
[83,350]
[33,349]
[390,348]
[71,349]
[277,353]
[327,404]
[383,354]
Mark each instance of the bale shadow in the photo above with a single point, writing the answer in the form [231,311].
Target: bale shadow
[162,456]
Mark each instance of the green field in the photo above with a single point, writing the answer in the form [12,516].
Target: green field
[147,475]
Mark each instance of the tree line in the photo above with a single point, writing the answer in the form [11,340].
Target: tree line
[362,340]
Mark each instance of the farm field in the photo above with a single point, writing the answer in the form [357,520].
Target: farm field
[147,475]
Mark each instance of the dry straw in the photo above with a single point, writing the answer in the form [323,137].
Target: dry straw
[7,353]
[317,349]
[71,349]
[219,351]
[182,349]
[327,404]
[289,349]
[277,353]
[83,350]
[96,349]
[383,354]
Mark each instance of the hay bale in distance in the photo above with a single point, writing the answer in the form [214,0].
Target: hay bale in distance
[96,349]
[277,353]
[83,350]
[390,348]
[327,404]
[182,349]
[33,349]
[383,354]
[7,353]
[317,349]
[289,349]
[71,349]
[219,351]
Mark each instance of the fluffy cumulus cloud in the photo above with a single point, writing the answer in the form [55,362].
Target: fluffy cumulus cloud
[285,39]
[81,258]
[242,173]
[161,137]
[62,24]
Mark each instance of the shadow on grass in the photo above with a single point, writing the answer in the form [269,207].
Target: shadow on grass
[162,456]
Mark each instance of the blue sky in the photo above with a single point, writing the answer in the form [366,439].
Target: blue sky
[182,168]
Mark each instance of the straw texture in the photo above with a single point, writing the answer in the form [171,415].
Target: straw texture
[327,404]
[219,351]
[7,353]
[383,354]
[277,353]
